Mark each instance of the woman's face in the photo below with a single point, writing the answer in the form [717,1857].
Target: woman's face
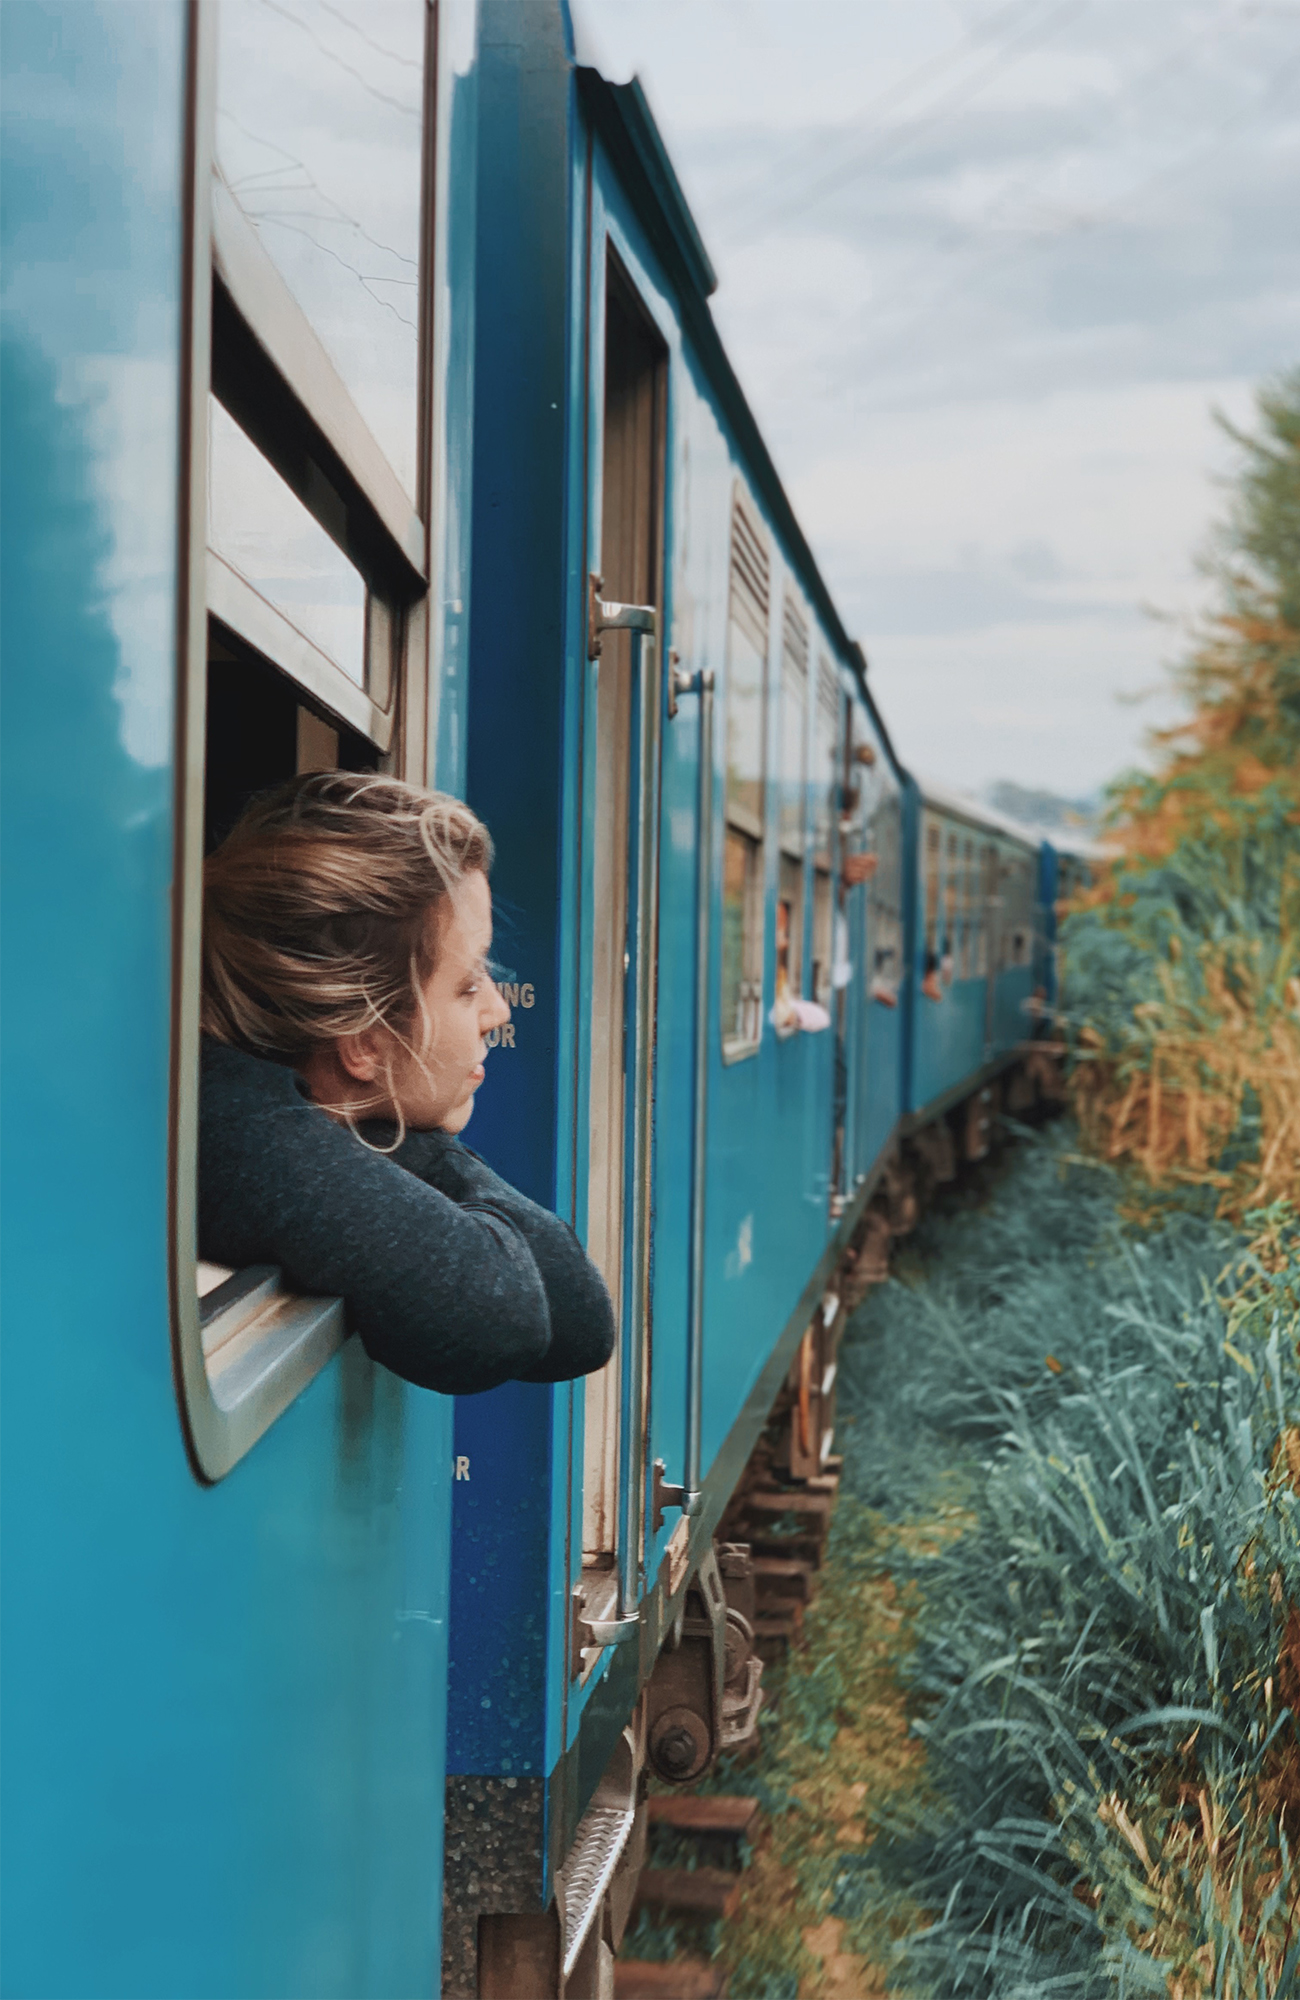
[429,1075]
[461,1005]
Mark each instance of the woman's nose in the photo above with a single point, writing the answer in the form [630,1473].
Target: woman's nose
[499,1010]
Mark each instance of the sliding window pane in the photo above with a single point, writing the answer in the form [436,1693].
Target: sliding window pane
[260,528]
[746,685]
[319,138]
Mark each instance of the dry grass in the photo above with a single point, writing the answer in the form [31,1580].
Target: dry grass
[1172,1101]
[838,1755]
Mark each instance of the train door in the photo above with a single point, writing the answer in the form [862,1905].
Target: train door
[843,905]
[852,943]
[623,828]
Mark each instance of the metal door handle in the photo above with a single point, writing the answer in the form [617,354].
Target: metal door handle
[603,616]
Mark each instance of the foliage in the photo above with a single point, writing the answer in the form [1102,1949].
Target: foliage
[1071,1482]
[1106,1664]
[1182,962]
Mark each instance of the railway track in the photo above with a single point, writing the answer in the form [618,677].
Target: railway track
[698,1841]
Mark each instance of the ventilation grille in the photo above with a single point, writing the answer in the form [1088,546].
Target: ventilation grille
[794,637]
[751,574]
[828,695]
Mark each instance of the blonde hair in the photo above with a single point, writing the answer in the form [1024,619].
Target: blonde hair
[317,905]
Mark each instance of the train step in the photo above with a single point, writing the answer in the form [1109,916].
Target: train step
[779,1577]
[794,1548]
[695,1892]
[776,1631]
[716,1814]
[681,1979]
[804,1502]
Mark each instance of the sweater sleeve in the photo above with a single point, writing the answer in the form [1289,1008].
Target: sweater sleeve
[582,1319]
[444,1291]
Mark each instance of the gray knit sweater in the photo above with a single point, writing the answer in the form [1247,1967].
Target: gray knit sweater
[451,1277]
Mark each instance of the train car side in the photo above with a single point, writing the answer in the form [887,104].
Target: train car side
[976,950]
[223,1724]
[708,1088]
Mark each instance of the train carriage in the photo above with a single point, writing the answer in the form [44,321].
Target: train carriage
[364,408]
[978,994]
[239,250]
[707,1078]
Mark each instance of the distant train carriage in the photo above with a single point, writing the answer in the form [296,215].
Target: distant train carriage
[977,994]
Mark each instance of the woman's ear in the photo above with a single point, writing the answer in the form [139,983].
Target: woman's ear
[359,1056]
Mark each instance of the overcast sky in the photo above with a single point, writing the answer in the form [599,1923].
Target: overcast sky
[986,266]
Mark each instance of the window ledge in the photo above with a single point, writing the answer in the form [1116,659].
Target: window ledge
[262,1344]
[733,1052]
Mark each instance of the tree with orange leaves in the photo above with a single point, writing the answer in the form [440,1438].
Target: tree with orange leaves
[1183,959]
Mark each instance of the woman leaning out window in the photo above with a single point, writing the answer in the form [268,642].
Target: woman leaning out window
[346,1005]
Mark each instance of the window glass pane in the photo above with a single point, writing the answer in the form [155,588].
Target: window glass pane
[742,939]
[319,114]
[745,676]
[789,930]
[261,528]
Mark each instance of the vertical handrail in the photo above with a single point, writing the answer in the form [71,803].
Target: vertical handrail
[640,621]
[640,990]
[701,683]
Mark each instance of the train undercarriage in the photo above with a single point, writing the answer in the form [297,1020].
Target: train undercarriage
[740,1606]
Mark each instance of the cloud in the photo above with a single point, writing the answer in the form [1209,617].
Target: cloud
[983,280]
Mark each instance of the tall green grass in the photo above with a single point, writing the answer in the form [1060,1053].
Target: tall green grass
[1103,1661]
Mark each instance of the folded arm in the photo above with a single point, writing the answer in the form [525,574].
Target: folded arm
[445,1288]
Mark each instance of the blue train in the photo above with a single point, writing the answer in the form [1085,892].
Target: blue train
[363,407]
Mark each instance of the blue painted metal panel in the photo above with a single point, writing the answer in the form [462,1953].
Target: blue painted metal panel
[221,1722]
[950,1036]
[509,1564]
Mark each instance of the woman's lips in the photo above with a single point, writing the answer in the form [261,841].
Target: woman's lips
[476,1076]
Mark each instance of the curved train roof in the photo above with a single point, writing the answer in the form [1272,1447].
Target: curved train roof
[962,806]
[622,116]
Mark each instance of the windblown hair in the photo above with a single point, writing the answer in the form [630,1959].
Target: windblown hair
[317,905]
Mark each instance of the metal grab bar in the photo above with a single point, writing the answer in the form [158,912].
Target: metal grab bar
[640,621]
[701,684]
[639,999]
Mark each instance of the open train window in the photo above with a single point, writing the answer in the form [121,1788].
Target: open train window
[931,866]
[884,968]
[305,643]
[746,738]
[792,764]
[634,416]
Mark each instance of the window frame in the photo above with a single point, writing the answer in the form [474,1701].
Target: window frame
[738,820]
[246,1349]
[792,847]
[885,889]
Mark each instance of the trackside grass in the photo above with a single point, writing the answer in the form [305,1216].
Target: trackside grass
[1040,1741]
